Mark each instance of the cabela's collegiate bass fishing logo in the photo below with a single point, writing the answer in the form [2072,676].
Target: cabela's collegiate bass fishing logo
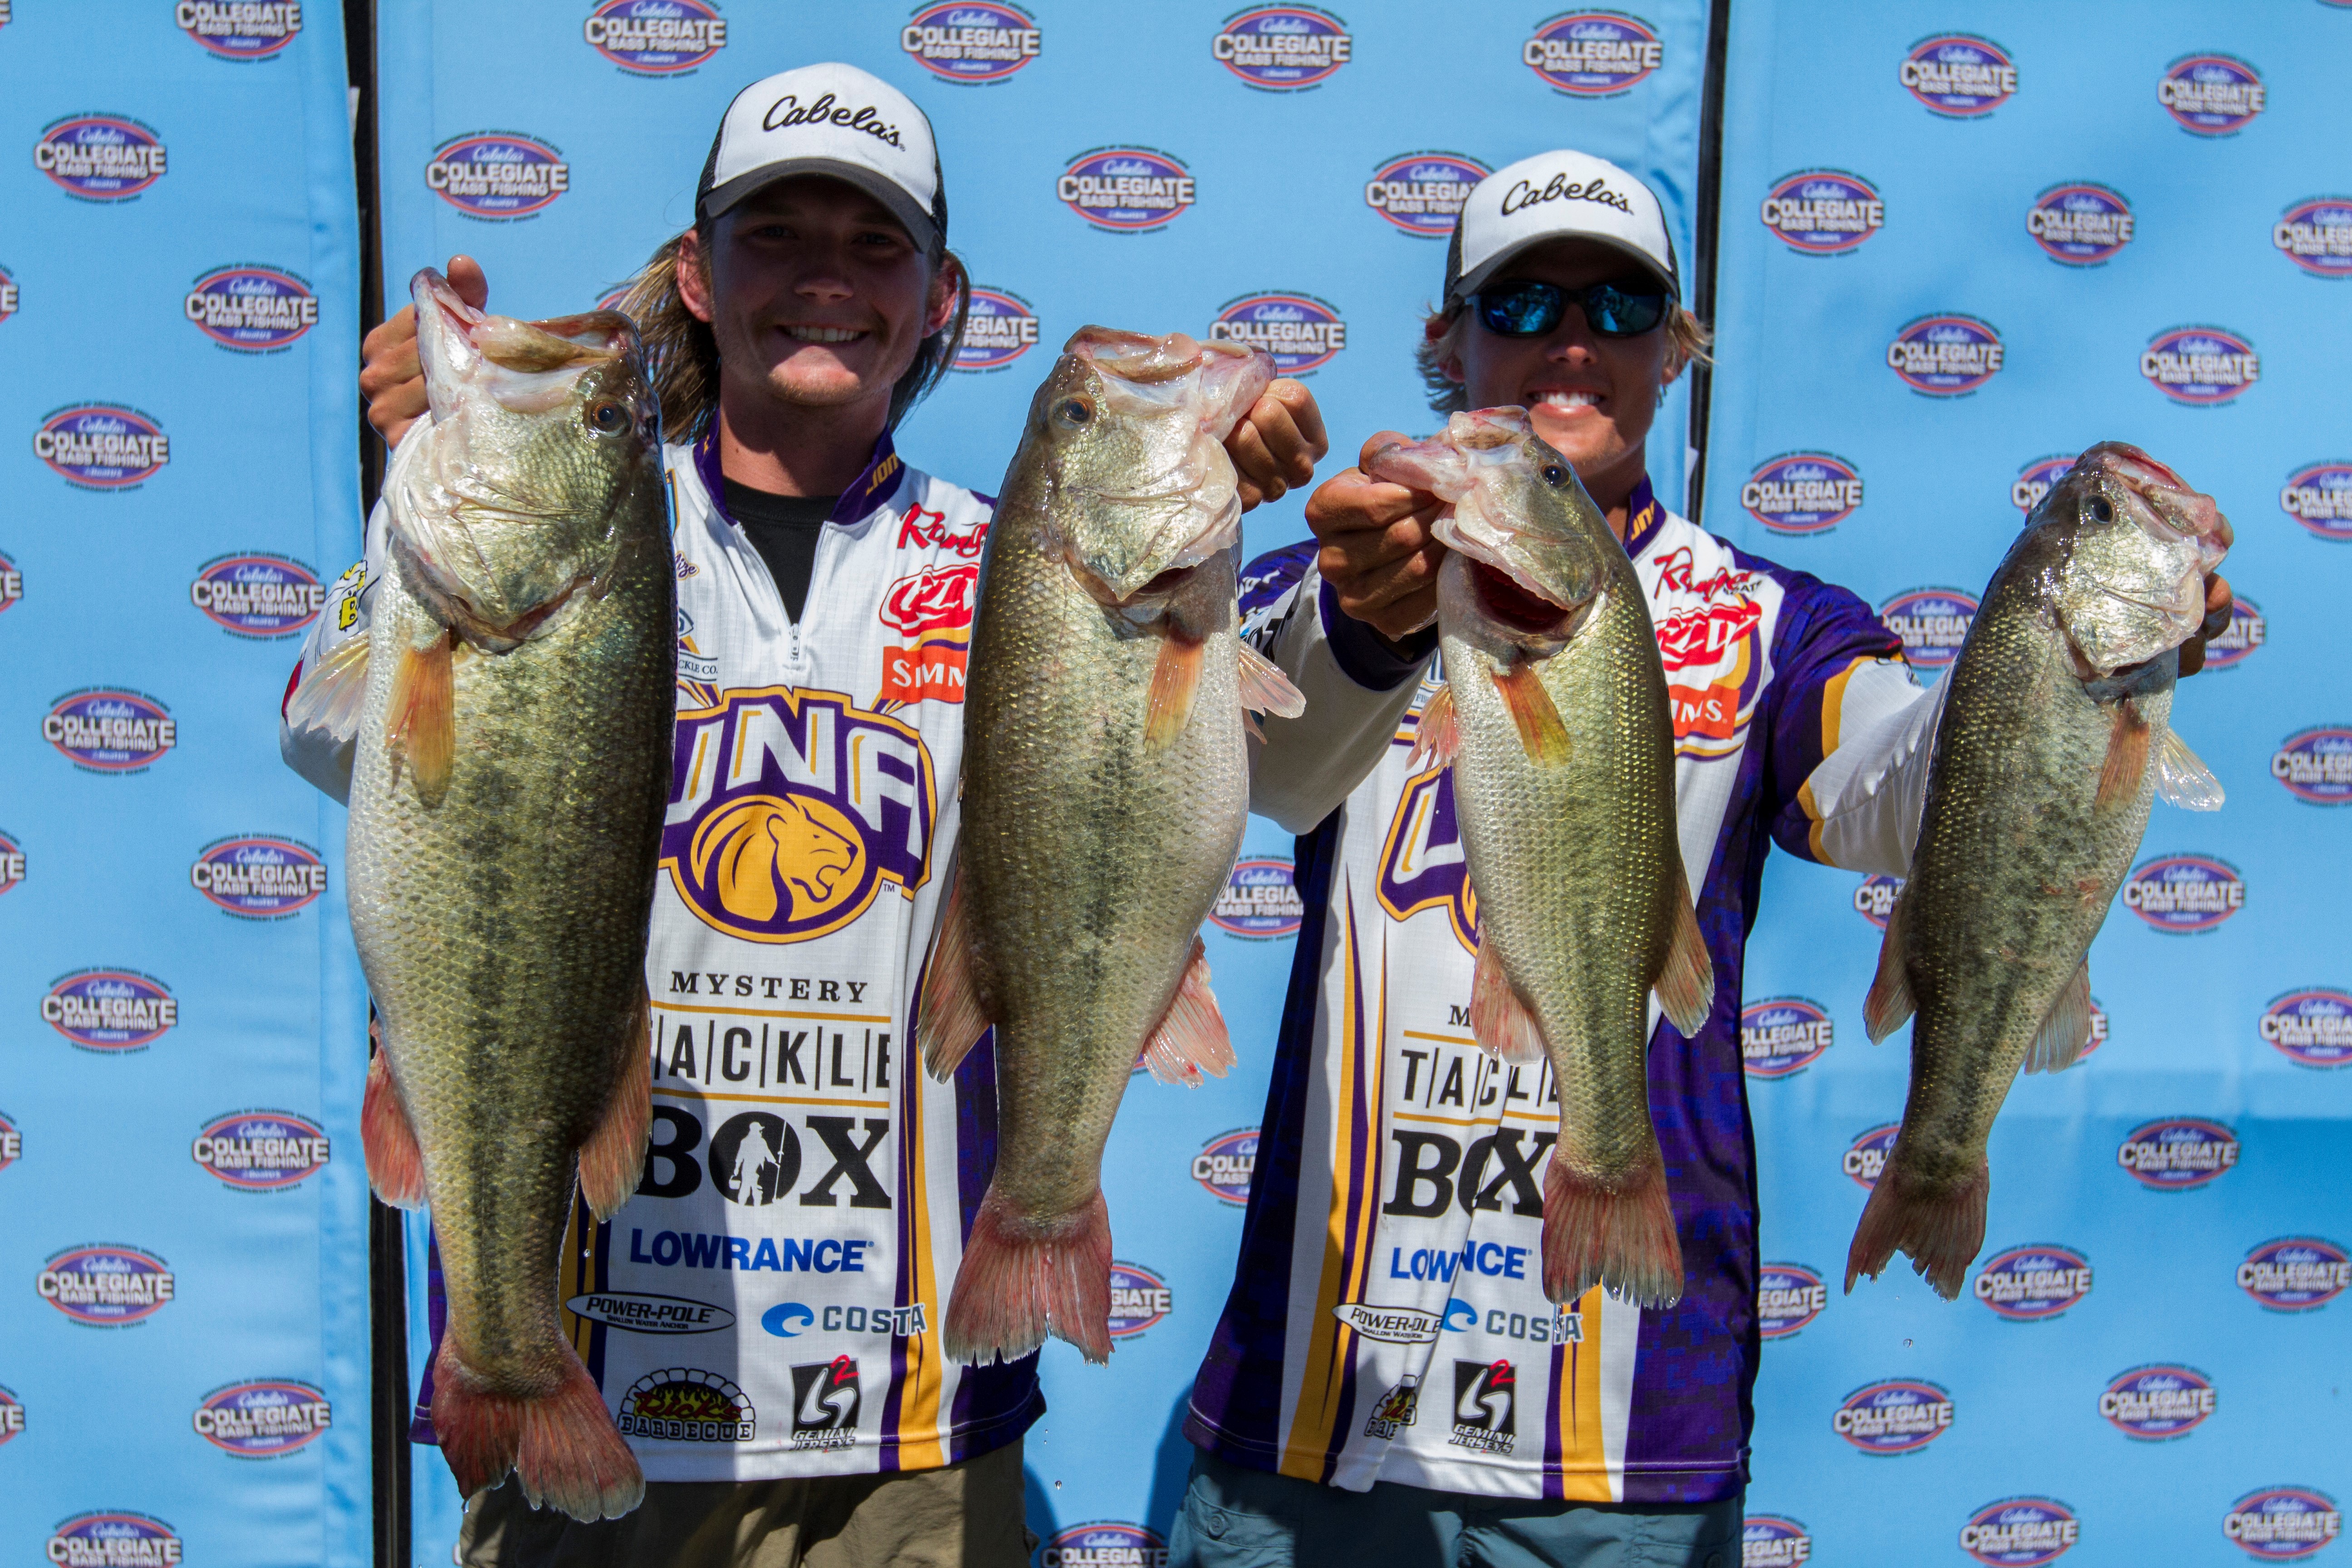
[105,730]
[1594,54]
[1104,1544]
[1422,192]
[1260,900]
[2027,1284]
[1945,354]
[2199,366]
[1896,1417]
[2295,1273]
[105,1286]
[791,810]
[2315,234]
[1823,212]
[999,327]
[263,1419]
[240,29]
[970,42]
[261,1150]
[1774,1541]
[1126,190]
[1281,49]
[109,1010]
[2319,497]
[258,877]
[1958,75]
[2178,1153]
[12,861]
[2021,1532]
[1865,1157]
[1139,1299]
[256,595]
[114,1538]
[2315,764]
[656,37]
[2184,893]
[99,157]
[2280,1524]
[2080,223]
[1788,1296]
[1299,331]
[2211,95]
[1802,492]
[1779,1035]
[2155,1404]
[498,175]
[9,295]
[1932,622]
[102,445]
[2311,1028]
[1225,1165]
[251,309]
[2035,480]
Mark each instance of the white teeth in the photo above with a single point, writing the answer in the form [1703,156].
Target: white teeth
[824,334]
[1568,400]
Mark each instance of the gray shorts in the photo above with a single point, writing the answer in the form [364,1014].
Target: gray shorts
[1236,1518]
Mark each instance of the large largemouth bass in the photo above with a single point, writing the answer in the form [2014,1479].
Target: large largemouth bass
[1554,713]
[512,703]
[1105,789]
[2054,739]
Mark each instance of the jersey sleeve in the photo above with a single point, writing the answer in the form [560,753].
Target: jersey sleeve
[317,756]
[1356,684]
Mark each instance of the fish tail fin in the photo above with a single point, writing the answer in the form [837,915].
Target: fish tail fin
[1191,1038]
[1941,1232]
[1685,985]
[950,1021]
[1890,1001]
[1175,681]
[2127,763]
[1621,1237]
[2067,1030]
[614,1155]
[1499,1020]
[1267,689]
[1022,1278]
[396,1167]
[1533,713]
[1436,736]
[423,710]
[562,1445]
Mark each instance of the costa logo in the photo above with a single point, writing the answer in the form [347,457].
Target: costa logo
[1594,54]
[1422,192]
[1282,49]
[2035,480]
[1226,1163]
[1259,901]
[974,44]
[2211,95]
[1823,212]
[1104,1545]
[7,295]
[1932,622]
[1958,75]
[2247,631]
[2081,225]
[114,1539]
[1900,1415]
[687,1404]
[12,584]
[1302,332]
[2028,1284]
[2279,1524]
[2315,764]
[12,1415]
[2320,498]
[1865,1157]
[105,1287]
[261,1150]
[1788,1296]
[1126,190]
[264,1419]
[2199,366]
[99,157]
[1874,900]
[936,598]
[999,327]
[2184,893]
[1946,355]
[258,595]
[2156,1404]
[12,1142]
[2178,1153]
[2021,1532]
[251,309]
[497,175]
[2313,1027]
[1774,1541]
[2317,235]
[258,878]
[1802,492]
[102,445]
[107,730]
[656,37]
[239,29]
[2295,1273]
[110,1009]
[12,862]
[1782,1035]
[1140,1298]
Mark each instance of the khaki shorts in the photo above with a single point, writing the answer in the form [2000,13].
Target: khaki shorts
[963,1516]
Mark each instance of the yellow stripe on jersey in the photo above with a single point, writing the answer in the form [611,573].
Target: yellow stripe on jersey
[1584,1452]
[576,1274]
[921,1445]
[1833,720]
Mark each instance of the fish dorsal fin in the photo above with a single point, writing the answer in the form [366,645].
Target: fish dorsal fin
[1499,1021]
[1265,689]
[2127,763]
[1437,736]
[1190,1039]
[2182,779]
[1541,733]
[1889,1002]
[1175,681]
[950,1021]
[330,697]
[2067,1030]
[1685,986]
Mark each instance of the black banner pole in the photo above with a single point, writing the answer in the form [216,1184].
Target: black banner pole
[1706,227]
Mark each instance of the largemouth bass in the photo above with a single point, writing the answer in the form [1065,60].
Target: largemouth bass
[1105,789]
[512,703]
[1555,717]
[2054,739]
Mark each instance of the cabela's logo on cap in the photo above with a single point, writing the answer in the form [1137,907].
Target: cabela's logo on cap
[2021,1532]
[2178,1153]
[240,29]
[1802,492]
[999,327]
[2312,1027]
[2247,630]
[105,1286]
[2213,95]
[1946,355]
[497,174]
[1865,1157]
[114,1539]
[2315,234]
[971,43]
[1788,1297]
[1282,47]
[1874,900]
[2279,1524]
[2184,893]
[263,1419]
[1126,190]
[2316,765]
[1104,1545]
[258,878]
[102,445]
[1774,1541]
[1140,1298]
[1260,900]
[1594,54]
[1932,623]
[2320,498]
[99,157]
[1960,75]
[261,1150]
[687,1404]
[2200,365]
[1823,212]
[1226,1163]
[1782,1035]
[2156,1403]
[257,596]
[255,309]
[2035,480]
[2027,1284]
[2080,223]
[1301,332]
[1898,1416]
[1422,192]
[110,1009]
[656,37]
[108,731]
[2295,1273]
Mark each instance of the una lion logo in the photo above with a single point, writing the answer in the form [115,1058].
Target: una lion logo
[762,855]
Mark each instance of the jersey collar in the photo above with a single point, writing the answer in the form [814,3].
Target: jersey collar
[1643,518]
[867,496]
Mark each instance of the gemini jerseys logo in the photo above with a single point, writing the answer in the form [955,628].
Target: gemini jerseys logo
[1774,1541]
[251,309]
[974,44]
[104,729]
[1301,332]
[1932,622]
[261,1150]
[256,595]
[239,29]
[1802,492]
[2279,1524]
[1960,75]
[114,1539]
[1485,1406]
[826,1398]
[110,1009]
[2247,631]
[2199,366]
[1225,1165]
[1104,1545]
[2295,1273]
[2035,480]
[1282,49]
[1900,1415]
[102,445]
[1874,900]
[496,175]
[793,809]
[1823,212]
[2178,1153]
[2315,234]
[2184,894]
[1260,900]
[999,328]
[1946,355]
[1422,192]
[1594,54]
[2155,1404]
[2320,498]
[2315,764]
[99,157]
[656,37]
[1126,190]
[2021,1532]
[2028,1284]
[1139,1299]
[1788,1296]
[264,1419]
[2311,1027]
[687,1404]
[1782,1035]
[2080,223]
[106,1287]
[1865,1157]
[2211,95]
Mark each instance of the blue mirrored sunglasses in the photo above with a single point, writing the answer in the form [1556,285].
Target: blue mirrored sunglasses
[1531,309]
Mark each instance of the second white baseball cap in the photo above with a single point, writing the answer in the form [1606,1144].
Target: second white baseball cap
[837,121]
[1561,195]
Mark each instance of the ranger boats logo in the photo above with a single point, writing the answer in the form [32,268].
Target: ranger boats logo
[2247,631]
[110,1009]
[1389,1325]
[1225,1165]
[2184,894]
[2156,1403]
[1865,1157]
[1104,1545]
[2178,1153]
[106,1287]
[2028,1284]
[793,809]
[2211,95]
[1823,212]
[2080,223]
[2311,1028]
[99,157]
[105,730]
[2035,480]
[262,1420]
[687,1404]
[656,37]
[1422,192]
[1260,900]
[102,445]
[999,327]
[1594,54]
[2295,1273]
[1788,1296]
[261,1150]
[1874,900]
[2199,366]
[114,1539]
[260,596]
[1960,75]
[2315,234]
[1774,1541]
[1282,49]
[1782,1035]
[1421,865]
[974,44]
[1946,355]
[1301,332]
[1126,190]
[251,309]
[258,877]
[2320,498]
[497,174]
[2279,1524]
[1932,622]
[2021,1532]
[1900,1415]
[1802,492]
[1140,1298]
[240,29]
[2316,765]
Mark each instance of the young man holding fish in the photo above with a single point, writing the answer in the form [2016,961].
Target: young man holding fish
[1389,1379]
[808,1191]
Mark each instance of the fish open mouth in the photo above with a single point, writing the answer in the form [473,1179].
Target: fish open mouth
[1518,608]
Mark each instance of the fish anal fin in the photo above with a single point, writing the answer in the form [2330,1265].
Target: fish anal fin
[1175,681]
[1499,1021]
[1942,1231]
[1437,736]
[950,1021]
[1685,986]
[330,697]
[1533,714]
[396,1167]
[1190,1039]
[423,715]
[2182,779]
[2127,763]
[1265,689]
[2067,1030]
[1890,1001]
[614,1155]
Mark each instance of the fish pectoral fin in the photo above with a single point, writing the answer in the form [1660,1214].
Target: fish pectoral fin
[1436,736]
[614,1155]
[1685,986]
[2127,763]
[396,1167]
[1190,1039]
[2182,779]
[330,697]
[1265,689]
[1175,680]
[1889,1002]
[424,719]
[2067,1028]
[1499,1021]
[1532,712]
[948,1021]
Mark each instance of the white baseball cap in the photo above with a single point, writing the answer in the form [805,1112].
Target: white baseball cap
[837,121]
[1560,195]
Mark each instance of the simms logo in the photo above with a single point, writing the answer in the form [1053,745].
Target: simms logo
[1282,49]
[1788,1297]
[1594,54]
[2035,480]
[999,327]
[1774,1541]
[2080,223]
[110,1009]
[1899,1415]
[2279,1524]
[114,1539]
[656,37]
[1126,190]
[1225,1165]
[2027,1284]
[2154,1404]
[261,1150]
[99,157]
[264,1419]
[1104,1545]
[1932,622]
[2295,1273]
[1823,212]
[102,445]
[258,878]
[1259,901]
[251,309]
[1301,332]
[2199,366]
[239,29]
[1865,1157]
[1958,75]
[2211,95]
[2319,497]
[2184,894]
[496,175]
[1782,1035]
[2021,1532]
[2178,1153]
[1874,900]
[2315,234]
[105,730]
[106,1286]
[2311,1028]
[2316,765]
[1140,1298]
[1802,492]
[971,43]
[1946,355]
[1422,192]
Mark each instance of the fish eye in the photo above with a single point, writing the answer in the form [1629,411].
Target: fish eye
[2102,511]
[606,418]
[1554,475]
[1075,412]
